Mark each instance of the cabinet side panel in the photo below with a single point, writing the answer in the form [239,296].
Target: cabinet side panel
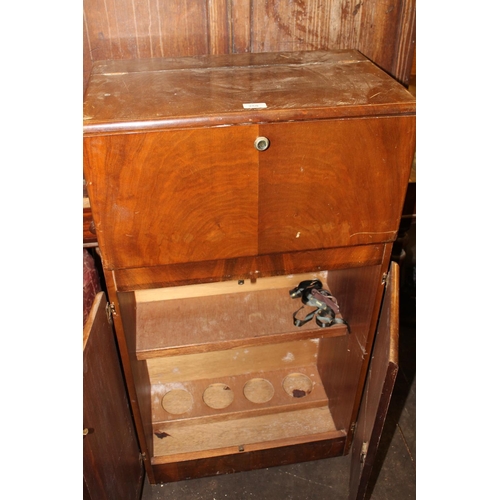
[141,383]
[340,360]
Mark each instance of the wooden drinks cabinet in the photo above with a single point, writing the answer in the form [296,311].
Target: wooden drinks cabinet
[217,185]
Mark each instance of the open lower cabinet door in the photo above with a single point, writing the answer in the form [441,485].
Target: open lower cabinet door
[111,460]
[378,390]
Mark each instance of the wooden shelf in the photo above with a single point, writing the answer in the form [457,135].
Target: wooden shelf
[222,316]
[193,440]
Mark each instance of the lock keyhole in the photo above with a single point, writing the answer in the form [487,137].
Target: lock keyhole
[261,143]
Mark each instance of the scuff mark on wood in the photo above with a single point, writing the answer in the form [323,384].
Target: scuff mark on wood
[162,435]
[356,8]
[371,233]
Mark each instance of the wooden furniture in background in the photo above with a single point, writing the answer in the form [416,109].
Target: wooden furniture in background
[382,30]
[217,184]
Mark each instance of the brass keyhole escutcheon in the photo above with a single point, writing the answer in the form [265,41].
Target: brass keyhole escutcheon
[261,143]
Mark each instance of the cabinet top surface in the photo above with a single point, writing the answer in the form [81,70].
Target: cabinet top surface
[149,94]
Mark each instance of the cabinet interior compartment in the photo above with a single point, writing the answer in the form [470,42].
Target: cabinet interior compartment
[237,400]
[224,370]
[224,315]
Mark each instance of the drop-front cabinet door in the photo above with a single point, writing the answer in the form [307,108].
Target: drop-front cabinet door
[379,386]
[174,196]
[321,182]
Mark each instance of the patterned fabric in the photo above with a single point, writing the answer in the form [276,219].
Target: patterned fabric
[91,283]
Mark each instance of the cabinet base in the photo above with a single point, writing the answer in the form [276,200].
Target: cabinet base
[245,461]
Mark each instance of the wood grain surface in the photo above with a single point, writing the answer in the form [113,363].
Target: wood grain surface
[131,29]
[184,92]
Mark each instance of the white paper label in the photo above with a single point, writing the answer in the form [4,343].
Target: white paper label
[255,105]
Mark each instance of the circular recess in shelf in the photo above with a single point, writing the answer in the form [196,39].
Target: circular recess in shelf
[258,390]
[218,396]
[177,401]
[297,385]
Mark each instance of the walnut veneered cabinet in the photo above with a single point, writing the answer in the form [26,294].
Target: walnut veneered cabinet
[217,185]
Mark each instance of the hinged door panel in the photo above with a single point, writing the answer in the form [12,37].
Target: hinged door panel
[333,183]
[111,465]
[173,196]
[378,390]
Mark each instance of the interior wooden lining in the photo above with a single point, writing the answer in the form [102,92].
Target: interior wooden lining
[225,287]
[245,360]
[219,322]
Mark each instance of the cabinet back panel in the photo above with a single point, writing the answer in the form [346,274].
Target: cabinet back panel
[202,324]
[251,359]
